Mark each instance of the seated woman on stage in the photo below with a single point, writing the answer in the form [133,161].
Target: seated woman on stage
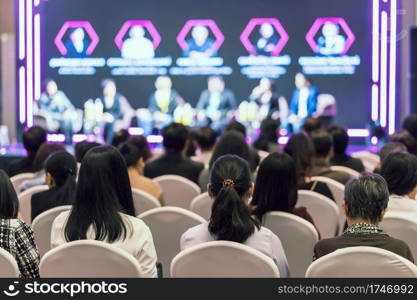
[214,104]
[231,219]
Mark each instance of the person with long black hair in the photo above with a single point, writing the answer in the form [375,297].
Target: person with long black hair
[16,237]
[103,210]
[231,219]
[61,171]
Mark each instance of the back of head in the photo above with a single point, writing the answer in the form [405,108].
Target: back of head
[206,138]
[119,137]
[61,165]
[231,143]
[366,197]
[9,204]
[400,171]
[82,148]
[141,143]
[340,138]
[311,124]
[44,151]
[33,138]
[175,137]
[276,185]
[301,149]
[406,138]
[103,192]
[323,143]
[410,124]
[131,154]
[389,148]
[269,134]
[230,183]
[236,126]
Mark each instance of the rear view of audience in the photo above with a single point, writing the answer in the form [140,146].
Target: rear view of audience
[103,210]
[173,161]
[268,138]
[15,236]
[366,201]
[61,171]
[206,138]
[231,219]
[386,150]
[82,148]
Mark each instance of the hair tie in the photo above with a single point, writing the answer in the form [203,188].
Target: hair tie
[228,182]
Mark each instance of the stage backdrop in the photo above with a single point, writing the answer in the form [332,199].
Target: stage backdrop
[330,41]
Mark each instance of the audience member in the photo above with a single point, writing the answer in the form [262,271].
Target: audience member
[387,149]
[103,210]
[15,236]
[311,124]
[33,138]
[119,137]
[323,146]
[135,161]
[301,149]
[82,148]
[61,171]
[206,140]
[268,138]
[408,134]
[231,220]
[141,143]
[366,202]
[340,143]
[400,171]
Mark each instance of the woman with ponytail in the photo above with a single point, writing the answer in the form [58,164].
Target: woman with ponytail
[230,186]
[60,173]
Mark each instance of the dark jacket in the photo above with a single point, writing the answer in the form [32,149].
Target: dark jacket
[19,166]
[45,200]
[322,168]
[227,101]
[347,161]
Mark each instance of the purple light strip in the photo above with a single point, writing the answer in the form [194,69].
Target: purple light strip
[36,2]
[37,58]
[358,132]
[22,29]
[375,99]
[384,68]
[29,63]
[22,95]
[375,42]
[392,66]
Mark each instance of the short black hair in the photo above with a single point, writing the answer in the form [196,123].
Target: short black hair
[311,124]
[82,148]
[142,144]
[322,141]
[33,138]
[175,137]
[400,171]
[389,148]
[366,197]
[131,153]
[206,137]
[236,126]
[119,137]
[340,138]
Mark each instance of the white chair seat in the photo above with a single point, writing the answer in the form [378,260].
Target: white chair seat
[364,262]
[352,173]
[88,259]
[368,159]
[298,238]
[143,201]
[8,265]
[178,190]
[19,178]
[222,259]
[201,205]
[25,202]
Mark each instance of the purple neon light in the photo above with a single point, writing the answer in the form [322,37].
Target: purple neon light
[383,83]
[36,2]
[75,24]
[374,103]
[37,60]
[156,38]
[209,23]
[375,41]
[358,132]
[244,37]
[319,22]
[392,66]
[22,95]
[136,131]
[282,140]
[154,139]
[29,63]
[22,32]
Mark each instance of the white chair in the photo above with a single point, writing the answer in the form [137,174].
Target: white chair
[403,228]
[143,201]
[298,238]
[167,225]
[367,158]
[201,205]
[19,178]
[42,226]
[8,265]
[364,262]
[223,259]
[178,191]
[88,259]
[324,211]
[25,205]
[262,154]
[352,173]
[338,192]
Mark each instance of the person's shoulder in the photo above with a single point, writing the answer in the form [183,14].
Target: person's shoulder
[397,243]
[18,224]
[195,164]
[328,245]
[196,234]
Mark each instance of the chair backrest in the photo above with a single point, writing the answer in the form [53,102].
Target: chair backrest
[88,259]
[201,205]
[25,205]
[403,228]
[262,154]
[367,157]
[298,238]
[167,225]
[8,265]
[338,192]
[178,191]
[222,259]
[352,173]
[324,211]
[143,201]
[365,262]
[19,178]
[42,226]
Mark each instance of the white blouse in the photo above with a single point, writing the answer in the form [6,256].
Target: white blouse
[263,240]
[138,242]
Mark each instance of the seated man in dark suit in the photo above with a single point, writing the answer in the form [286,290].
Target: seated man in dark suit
[173,161]
[366,201]
[340,143]
[323,146]
[33,138]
